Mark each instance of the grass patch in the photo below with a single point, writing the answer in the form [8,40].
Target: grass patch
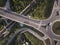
[2,3]
[19,5]
[42,9]
[3,42]
[2,23]
[56,28]
[1,27]
[33,39]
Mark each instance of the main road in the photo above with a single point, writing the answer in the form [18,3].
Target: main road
[25,20]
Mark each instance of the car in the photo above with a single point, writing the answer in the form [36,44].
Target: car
[57,13]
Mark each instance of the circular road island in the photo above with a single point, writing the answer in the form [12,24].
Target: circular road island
[56,27]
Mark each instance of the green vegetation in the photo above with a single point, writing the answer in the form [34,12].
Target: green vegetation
[18,40]
[12,32]
[3,42]
[19,5]
[2,3]
[47,41]
[42,9]
[56,27]
[33,40]
[1,27]
[2,23]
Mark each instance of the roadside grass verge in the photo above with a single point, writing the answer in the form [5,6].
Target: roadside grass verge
[2,3]
[19,5]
